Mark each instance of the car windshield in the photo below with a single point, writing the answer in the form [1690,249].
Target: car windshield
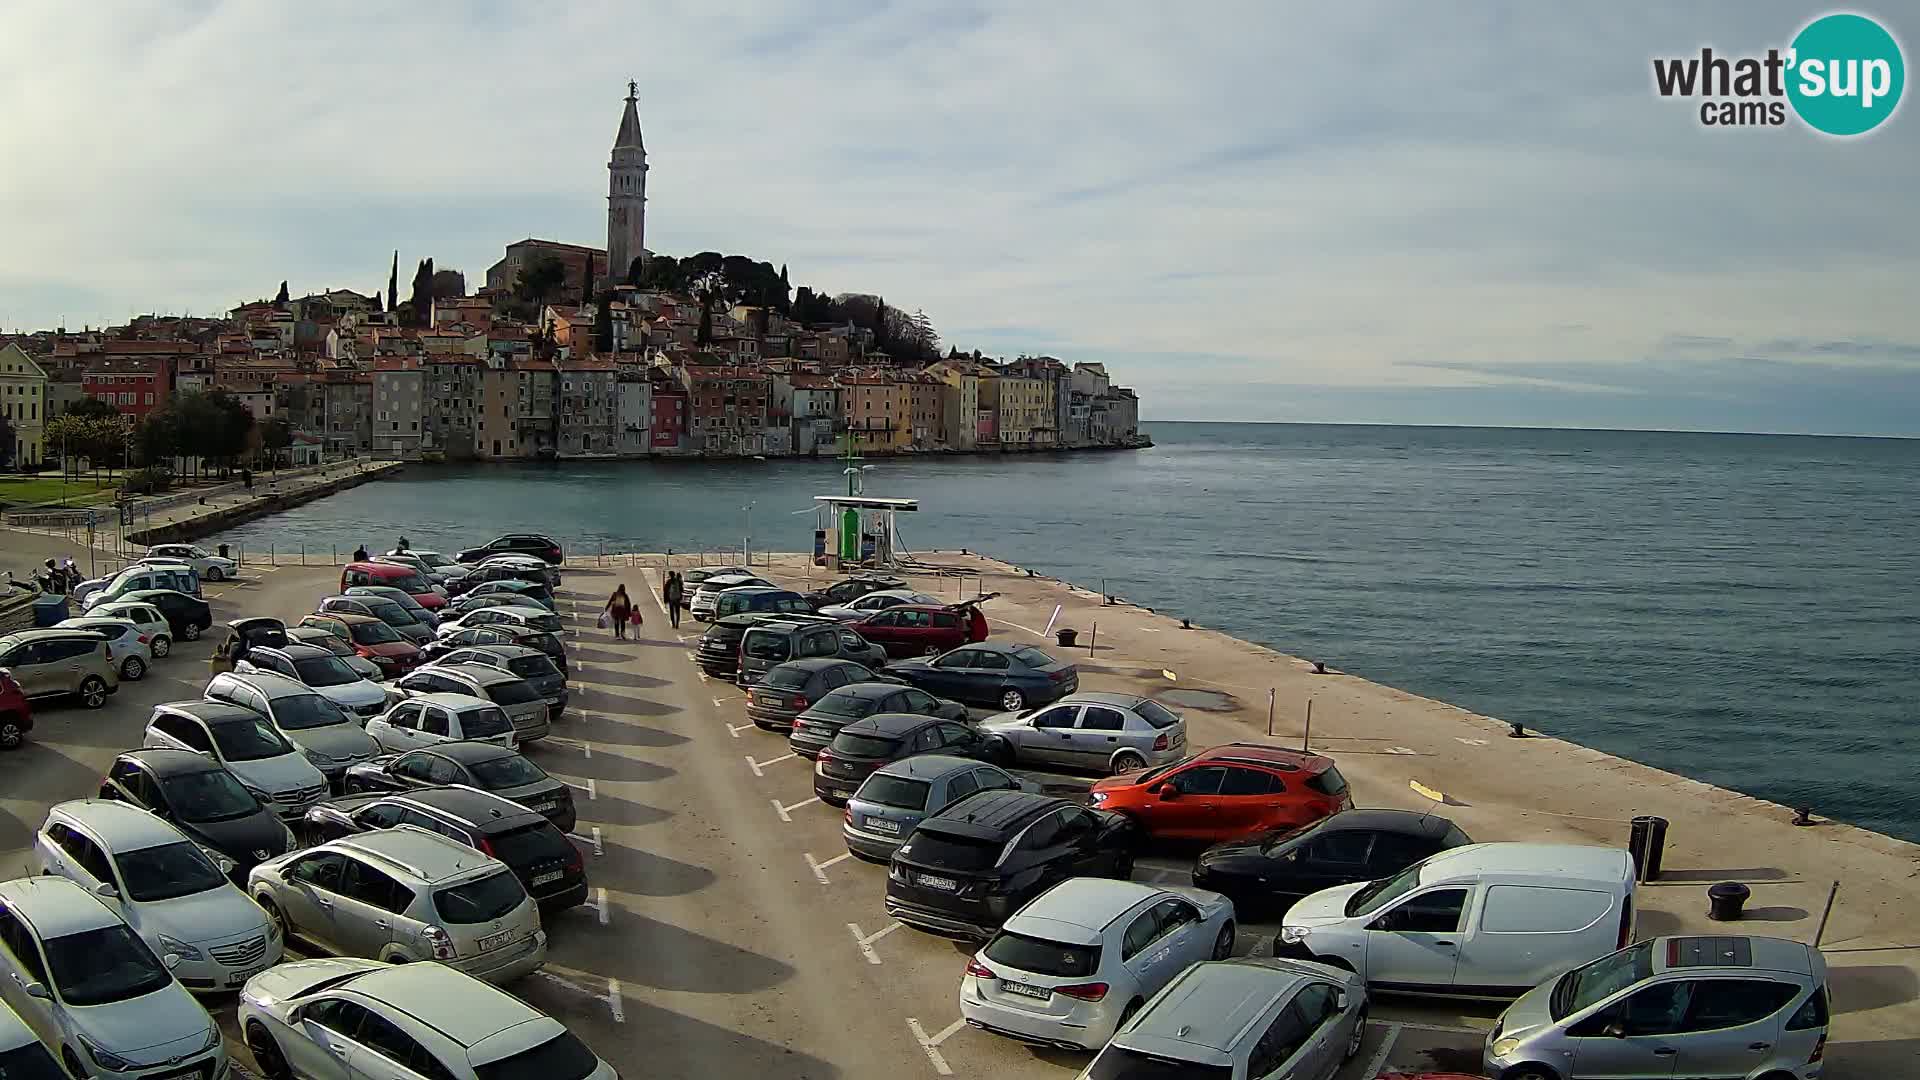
[898,792]
[484,723]
[543,621]
[433,558]
[250,739]
[95,967]
[1031,656]
[1043,957]
[1375,895]
[840,704]
[303,712]
[931,847]
[209,795]
[1156,714]
[29,1062]
[1120,1063]
[481,900]
[1278,838]
[864,746]
[516,692]
[531,667]
[1594,983]
[529,844]
[373,633]
[389,612]
[412,583]
[785,678]
[768,646]
[511,770]
[563,1057]
[324,671]
[167,872]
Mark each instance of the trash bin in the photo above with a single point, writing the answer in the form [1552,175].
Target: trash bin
[1725,900]
[1066,636]
[223,552]
[1647,841]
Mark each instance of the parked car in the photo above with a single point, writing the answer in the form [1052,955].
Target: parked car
[203,799]
[789,689]
[545,547]
[461,605]
[718,650]
[816,727]
[402,895]
[419,586]
[380,608]
[326,639]
[210,566]
[518,613]
[244,635]
[327,734]
[163,886]
[1067,968]
[1228,792]
[401,597]
[61,663]
[412,560]
[702,599]
[967,868]
[247,743]
[1489,920]
[1269,872]
[80,977]
[146,577]
[918,629]
[187,616]
[485,766]
[448,1025]
[145,616]
[861,606]
[501,634]
[431,719]
[798,637]
[1715,1006]
[1246,1018]
[320,671]
[526,572]
[372,639]
[532,592]
[992,673]
[22,1054]
[538,569]
[538,853]
[1107,733]
[128,648]
[865,745]
[522,662]
[437,566]
[751,598]
[16,715]
[526,708]
[853,588]
[897,796]
[698,575]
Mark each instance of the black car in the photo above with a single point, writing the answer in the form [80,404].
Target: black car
[481,765]
[992,673]
[543,547]
[202,799]
[789,689]
[968,867]
[530,664]
[718,650]
[816,727]
[865,745]
[187,616]
[480,575]
[853,588]
[498,634]
[1269,872]
[545,861]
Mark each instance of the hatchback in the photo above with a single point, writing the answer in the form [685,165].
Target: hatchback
[865,745]
[526,708]
[60,663]
[203,800]
[379,607]
[816,727]
[789,689]
[853,588]
[330,736]
[247,744]
[1676,1006]
[16,714]
[921,629]
[511,615]
[532,592]
[405,579]
[477,765]
[402,597]
[242,637]
[702,600]
[718,649]
[895,797]
[86,982]
[547,643]
[880,600]
[1107,733]
[146,617]
[325,639]
[1077,960]
[994,674]
[405,894]
[750,598]
[1268,872]
[187,616]
[1228,792]
[321,672]
[207,564]
[801,637]
[544,547]
[143,577]
[166,888]
[430,719]
[129,649]
[372,639]
[522,662]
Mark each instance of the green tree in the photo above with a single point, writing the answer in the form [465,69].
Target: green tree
[280,298]
[541,279]
[156,438]
[449,283]
[6,441]
[393,283]
[92,407]
[422,298]
[276,435]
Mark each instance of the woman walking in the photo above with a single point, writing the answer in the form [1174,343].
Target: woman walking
[672,592]
[620,609]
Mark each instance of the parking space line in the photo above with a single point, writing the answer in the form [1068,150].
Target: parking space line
[600,903]
[784,811]
[932,1046]
[598,847]
[720,702]
[757,766]
[865,941]
[735,729]
[820,868]
[615,1005]
[1380,1055]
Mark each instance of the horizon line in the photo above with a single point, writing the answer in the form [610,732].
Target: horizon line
[1543,427]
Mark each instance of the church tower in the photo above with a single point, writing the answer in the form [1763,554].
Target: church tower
[626,193]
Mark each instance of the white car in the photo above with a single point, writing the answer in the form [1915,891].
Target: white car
[529,614]
[861,606]
[424,719]
[128,647]
[330,736]
[320,671]
[22,1054]
[90,987]
[1069,967]
[248,744]
[209,566]
[308,1018]
[434,564]
[164,886]
[143,615]
[703,598]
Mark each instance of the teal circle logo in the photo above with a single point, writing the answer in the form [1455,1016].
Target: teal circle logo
[1846,74]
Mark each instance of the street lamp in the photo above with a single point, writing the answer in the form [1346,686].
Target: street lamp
[746,546]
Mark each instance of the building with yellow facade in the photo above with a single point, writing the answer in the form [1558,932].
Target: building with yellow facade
[23,401]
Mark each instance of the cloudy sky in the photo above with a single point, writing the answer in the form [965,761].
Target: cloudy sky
[1400,213]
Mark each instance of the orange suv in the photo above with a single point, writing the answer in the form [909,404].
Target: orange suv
[1228,792]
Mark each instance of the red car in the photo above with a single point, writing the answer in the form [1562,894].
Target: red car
[923,629]
[371,639]
[1228,792]
[405,578]
[16,716]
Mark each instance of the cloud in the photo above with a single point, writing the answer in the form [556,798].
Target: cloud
[1256,210]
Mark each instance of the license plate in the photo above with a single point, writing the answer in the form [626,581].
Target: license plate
[1039,993]
[880,824]
[944,884]
[842,793]
[551,876]
[546,807]
[241,978]
[494,941]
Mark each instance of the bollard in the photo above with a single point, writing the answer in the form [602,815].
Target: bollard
[1803,816]
[1516,731]
[1065,636]
[1647,842]
[1821,930]
[1093,637]
[1725,900]
[1306,733]
[303,553]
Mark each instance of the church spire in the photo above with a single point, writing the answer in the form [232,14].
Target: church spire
[630,121]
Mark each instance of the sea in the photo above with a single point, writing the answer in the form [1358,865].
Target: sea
[1742,609]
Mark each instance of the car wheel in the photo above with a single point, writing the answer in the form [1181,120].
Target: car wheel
[275,916]
[93,692]
[190,632]
[72,1062]
[1127,761]
[133,669]
[214,573]
[1359,1035]
[1013,701]
[1530,1071]
[1123,866]
[1126,1014]
[266,1053]
[12,735]
[1223,945]
[162,645]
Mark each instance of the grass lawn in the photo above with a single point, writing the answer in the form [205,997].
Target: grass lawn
[46,487]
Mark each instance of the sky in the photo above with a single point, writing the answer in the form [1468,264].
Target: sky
[1354,212]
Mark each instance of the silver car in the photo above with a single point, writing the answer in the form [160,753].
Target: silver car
[128,647]
[1245,1019]
[399,596]
[894,798]
[1107,733]
[1677,1006]
[402,620]
[328,735]
[524,706]
[319,670]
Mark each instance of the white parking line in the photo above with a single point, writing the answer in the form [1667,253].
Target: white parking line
[784,811]
[600,904]
[1386,1047]
[820,868]
[757,766]
[865,941]
[614,1002]
[720,701]
[587,787]
[735,729]
[932,1046]
[1017,626]
[598,848]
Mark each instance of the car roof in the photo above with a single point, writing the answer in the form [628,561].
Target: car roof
[56,906]
[1101,697]
[351,618]
[272,683]
[1733,951]
[890,724]
[927,766]
[165,761]
[295,650]
[1557,863]
[1261,754]
[787,622]
[122,826]
[502,648]
[46,634]
[142,594]
[457,1005]
[426,854]
[1082,907]
[867,690]
[1405,822]
[991,813]
[212,712]
[467,803]
[752,590]
[1211,1005]
[479,673]
[467,752]
[815,663]
[456,702]
[86,622]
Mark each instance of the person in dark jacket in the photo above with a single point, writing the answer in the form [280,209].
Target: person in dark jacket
[619,610]
[673,592]
[360,553]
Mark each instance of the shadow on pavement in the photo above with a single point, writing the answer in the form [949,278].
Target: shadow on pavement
[612,701]
[1871,986]
[605,765]
[614,810]
[636,872]
[677,1045]
[602,730]
[577,653]
[603,677]
[666,957]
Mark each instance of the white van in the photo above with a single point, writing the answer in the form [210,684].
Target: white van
[1485,920]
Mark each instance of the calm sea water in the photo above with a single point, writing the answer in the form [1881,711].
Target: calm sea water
[1743,609]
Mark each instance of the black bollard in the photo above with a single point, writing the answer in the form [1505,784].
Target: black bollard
[1725,900]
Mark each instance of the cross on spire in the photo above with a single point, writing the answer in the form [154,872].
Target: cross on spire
[633,90]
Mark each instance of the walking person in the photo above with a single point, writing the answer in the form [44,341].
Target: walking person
[360,553]
[620,609]
[673,592]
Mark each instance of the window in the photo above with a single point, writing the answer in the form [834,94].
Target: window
[956,736]
[186,731]
[414,767]
[960,786]
[1437,912]
[322,871]
[435,721]
[91,859]
[989,661]
[1316,1002]
[927,738]
[1140,933]
[1282,1039]
[1348,848]
[361,882]
[1726,1003]
[1098,718]
[336,1015]
[991,779]
[1204,780]
[1042,834]
[442,771]
[1058,717]
[406,717]
[20,943]
[1249,782]
[380,816]
[1812,1013]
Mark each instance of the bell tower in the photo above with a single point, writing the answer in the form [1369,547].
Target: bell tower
[626,193]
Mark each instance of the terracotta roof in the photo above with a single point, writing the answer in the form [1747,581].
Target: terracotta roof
[396,363]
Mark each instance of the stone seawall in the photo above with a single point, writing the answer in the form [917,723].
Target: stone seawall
[187,525]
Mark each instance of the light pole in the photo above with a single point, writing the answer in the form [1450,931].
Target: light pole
[746,546]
